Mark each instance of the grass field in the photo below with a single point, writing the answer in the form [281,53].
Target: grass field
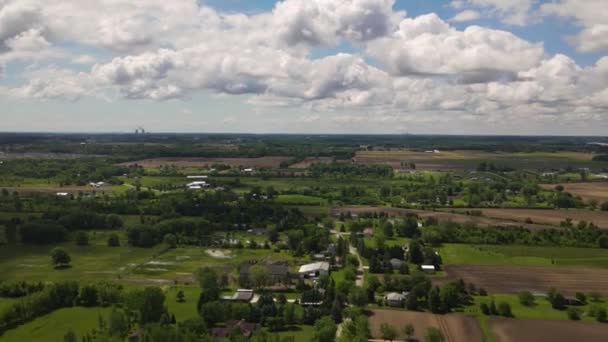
[52,327]
[460,254]
[542,309]
[300,333]
[186,310]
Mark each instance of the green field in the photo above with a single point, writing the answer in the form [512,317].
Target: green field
[300,333]
[187,309]
[459,254]
[52,327]
[540,310]
[300,200]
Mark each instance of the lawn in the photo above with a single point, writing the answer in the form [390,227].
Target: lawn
[52,327]
[187,309]
[89,263]
[300,333]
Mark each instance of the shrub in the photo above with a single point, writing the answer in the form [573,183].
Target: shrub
[504,309]
[113,240]
[526,298]
[574,314]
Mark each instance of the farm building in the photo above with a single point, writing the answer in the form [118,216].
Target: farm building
[197,177]
[197,185]
[314,270]
[395,299]
[428,268]
[97,185]
[62,194]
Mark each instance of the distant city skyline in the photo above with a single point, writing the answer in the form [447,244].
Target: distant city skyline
[487,67]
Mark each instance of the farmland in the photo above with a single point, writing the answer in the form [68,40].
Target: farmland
[455,327]
[588,191]
[376,215]
[509,330]
[513,279]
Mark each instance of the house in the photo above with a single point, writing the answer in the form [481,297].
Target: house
[97,185]
[242,295]
[62,194]
[198,183]
[396,263]
[245,328]
[248,170]
[368,232]
[314,270]
[395,299]
[428,268]
[319,257]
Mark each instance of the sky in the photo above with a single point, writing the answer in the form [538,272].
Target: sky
[524,67]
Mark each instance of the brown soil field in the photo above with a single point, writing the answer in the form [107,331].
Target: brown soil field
[440,215]
[588,191]
[307,162]
[455,327]
[513,279]
[550,217]
[267,162]
[516,330]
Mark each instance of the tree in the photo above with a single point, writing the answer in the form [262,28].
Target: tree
[70,336]
[504,309]
[434,300]
[88,295]
[388,230]
[388,332]
[60,257]
[601,315]
[434,335]
[324,330]
[210,289]
[113,240]
[574,314]
[604,206]
[148,303]
[581,297]
[357,297]
[415,254]
[82,239]
[180,296]
[260,276]
[485,309]
[526,298]
[118,324]
[170,240]
[409,331]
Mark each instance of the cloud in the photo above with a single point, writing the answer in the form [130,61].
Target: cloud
[590,14]
[428,45]
[511,12]
[398,70]
[464,16]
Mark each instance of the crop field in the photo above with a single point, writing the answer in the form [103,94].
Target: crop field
[511,330]
[513,279]
[52,327]
[551,217]
[461,254]
[307,162]
[466,160]
[588,191]
[264,162]
[455,327]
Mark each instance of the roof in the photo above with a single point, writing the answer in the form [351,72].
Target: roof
[428,267]
[314,267]
[197,177]
[394,296]
[243,295]
[395,261]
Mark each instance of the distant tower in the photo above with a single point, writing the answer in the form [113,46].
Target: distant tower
[140,130]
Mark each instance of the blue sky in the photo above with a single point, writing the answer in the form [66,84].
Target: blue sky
[305,66]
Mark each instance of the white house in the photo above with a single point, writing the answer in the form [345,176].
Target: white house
[314,270]
[395,299]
